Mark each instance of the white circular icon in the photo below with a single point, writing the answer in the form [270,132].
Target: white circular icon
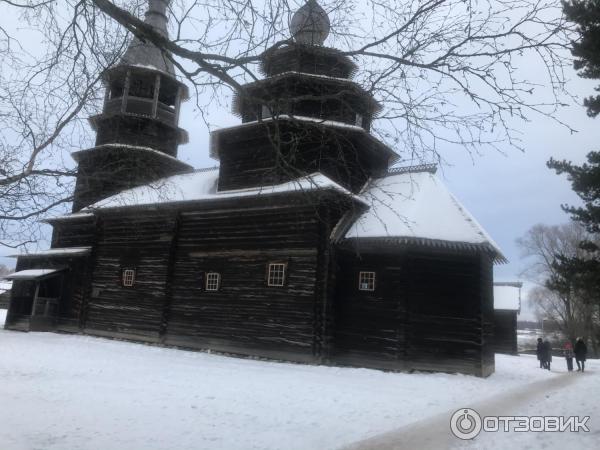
[465,423]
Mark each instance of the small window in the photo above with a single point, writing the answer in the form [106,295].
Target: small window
[128,277]
[213,281]
[366,281]
[276,274]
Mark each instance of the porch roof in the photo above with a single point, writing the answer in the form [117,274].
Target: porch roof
[32,274]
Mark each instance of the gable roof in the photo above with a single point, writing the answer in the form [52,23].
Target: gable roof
[417,206]
[202,186]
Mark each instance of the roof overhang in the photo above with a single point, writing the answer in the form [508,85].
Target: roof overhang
[66,252]
[130,148]
[376,144]
[395,242]
[33,274]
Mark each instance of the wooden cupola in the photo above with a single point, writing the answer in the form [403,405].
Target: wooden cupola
[143,96]
[305,116]
[137,132]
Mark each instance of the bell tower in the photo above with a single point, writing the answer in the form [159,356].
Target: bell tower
[137,132]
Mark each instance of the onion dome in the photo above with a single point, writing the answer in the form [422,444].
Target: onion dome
[310,24]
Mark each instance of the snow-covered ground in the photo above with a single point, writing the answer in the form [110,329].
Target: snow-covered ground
[78,392]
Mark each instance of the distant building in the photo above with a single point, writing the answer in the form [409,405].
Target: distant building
[507,305]
[5,287]
[306,247]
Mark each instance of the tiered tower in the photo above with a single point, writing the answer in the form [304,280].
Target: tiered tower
[137,132]
[306,115]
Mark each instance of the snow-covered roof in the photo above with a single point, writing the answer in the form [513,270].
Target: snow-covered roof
[507,296]
[417,206]
[126,147]
[202,186]
[70,217]
[31,274]
[214,147]
[67,251]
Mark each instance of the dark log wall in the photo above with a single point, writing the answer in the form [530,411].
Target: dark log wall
[370,326]
[431,310]
[140,242]
[246,315]
[74,233]
[505,332]
[487,296]
[248,159]
[426,312]
[140,131]
[173,250]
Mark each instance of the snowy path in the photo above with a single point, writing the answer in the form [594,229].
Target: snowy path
[434,432]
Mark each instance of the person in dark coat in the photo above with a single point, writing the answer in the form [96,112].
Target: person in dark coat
[547,354]
[539,352]
[580,354]
[568,352]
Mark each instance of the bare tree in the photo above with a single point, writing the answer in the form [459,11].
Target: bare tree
[566,306]
[446,72]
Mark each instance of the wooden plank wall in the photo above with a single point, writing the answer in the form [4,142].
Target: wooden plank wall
[141,242]
[425,314]
[246,315]
[505,332]
[430,309]
[249,159]
[487,296]
[369,326]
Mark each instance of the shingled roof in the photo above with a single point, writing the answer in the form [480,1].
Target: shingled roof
[145,54]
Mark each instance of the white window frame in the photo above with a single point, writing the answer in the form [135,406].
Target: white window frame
[128,277]
[213,281]
[366,281]
[276,273]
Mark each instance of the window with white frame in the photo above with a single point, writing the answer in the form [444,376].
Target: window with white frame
[366,281]
[276,274]
[128,277]
[213,281]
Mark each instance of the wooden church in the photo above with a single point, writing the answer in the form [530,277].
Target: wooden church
[303,245]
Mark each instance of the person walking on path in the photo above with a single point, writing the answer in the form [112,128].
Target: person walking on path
[547,354]
[540,352]
[580,354]
[568,352]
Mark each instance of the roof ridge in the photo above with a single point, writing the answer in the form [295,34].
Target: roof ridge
[431,168]
[205,169]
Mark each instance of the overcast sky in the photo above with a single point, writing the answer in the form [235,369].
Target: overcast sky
[507,192]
